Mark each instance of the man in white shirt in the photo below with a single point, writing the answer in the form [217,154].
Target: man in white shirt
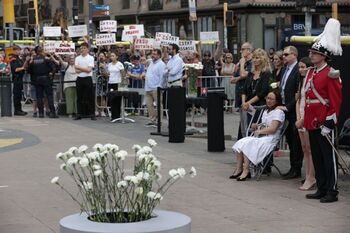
[154,79]
[174,67]
[84,64]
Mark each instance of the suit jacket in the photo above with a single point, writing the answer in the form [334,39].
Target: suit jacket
[290,89]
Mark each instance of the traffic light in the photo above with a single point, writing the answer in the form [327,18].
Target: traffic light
[31,16]
[229,19]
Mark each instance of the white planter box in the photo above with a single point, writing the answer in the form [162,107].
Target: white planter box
[164,222]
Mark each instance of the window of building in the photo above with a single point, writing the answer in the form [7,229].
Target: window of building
[126,4]
[155,5]
[81,6]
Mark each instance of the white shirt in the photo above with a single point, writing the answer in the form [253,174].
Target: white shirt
[155,75]
[114,72]
[85,61]
[175,67]
[70,75]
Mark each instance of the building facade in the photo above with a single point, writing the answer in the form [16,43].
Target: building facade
[265,23]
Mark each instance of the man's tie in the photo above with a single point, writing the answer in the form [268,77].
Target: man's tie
[283,83]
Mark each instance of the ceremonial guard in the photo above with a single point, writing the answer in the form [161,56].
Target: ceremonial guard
[323,96]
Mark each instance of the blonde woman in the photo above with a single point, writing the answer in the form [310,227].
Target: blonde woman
[278,65]
[255,90]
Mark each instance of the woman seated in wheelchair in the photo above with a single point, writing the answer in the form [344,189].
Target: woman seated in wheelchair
[266,135]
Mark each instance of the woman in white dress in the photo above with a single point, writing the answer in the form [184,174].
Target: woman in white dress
[254,149]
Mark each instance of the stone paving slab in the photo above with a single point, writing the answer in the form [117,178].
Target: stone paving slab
[30,204]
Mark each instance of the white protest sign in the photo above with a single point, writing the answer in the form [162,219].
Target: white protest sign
[105,39]
[50,46]
[209,36]
[134,30]
[58,47]
[166,40]
[108,26]
[160,35]
[187,46]
[52,31]
[77,31]
[144,44]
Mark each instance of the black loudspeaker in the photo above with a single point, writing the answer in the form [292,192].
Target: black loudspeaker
[216,137]
[177,116]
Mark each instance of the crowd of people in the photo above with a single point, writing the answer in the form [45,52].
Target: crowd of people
[306,93]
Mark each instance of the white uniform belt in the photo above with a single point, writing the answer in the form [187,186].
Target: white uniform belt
[315,101]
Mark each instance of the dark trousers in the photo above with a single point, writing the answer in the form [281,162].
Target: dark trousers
[43,85]
[17,93]
[293,140]
[325,163]
[115,103]
[85,96]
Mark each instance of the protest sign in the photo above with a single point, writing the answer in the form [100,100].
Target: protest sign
[168,39]
[58,47]
[134,30]
[108,26]
[77,31]
[144,44]
[187,47]
[209,36]
[160,35]
[105,39]
[52,31]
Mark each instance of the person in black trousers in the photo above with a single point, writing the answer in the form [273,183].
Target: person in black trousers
[17,70]
[84,64]
[289,87]
[40,68]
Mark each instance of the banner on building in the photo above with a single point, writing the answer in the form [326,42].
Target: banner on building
[108,26]
[209,36]
[77,31]
[144,44]
[58,47]
[52,31]
[192,9]
[105,39]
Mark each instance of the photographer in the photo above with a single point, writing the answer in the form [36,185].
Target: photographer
[40,68]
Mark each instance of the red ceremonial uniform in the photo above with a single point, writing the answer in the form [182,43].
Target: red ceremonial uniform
[328,86]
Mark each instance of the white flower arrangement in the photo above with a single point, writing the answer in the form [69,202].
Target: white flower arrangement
[196,66]
[106,191]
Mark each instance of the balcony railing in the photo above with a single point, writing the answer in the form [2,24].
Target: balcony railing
[154,5]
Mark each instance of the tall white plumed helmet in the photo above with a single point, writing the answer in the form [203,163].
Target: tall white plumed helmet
[328,42]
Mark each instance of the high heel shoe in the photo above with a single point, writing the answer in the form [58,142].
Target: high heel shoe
[235,176]
[244,178]
[311,187]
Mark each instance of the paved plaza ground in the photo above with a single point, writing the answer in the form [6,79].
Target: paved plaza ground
[30,204]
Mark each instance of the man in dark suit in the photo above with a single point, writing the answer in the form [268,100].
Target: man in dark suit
[289,87]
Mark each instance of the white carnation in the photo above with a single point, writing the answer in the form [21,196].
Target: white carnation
[139,190]
[107,146]
[174,173]
[93,155]
[146,149]
[97,172]
[193,172]
[63,166]
[158,197]
[84,162]
[96,167]
[104,153]
[136,147]
[154,196]
[73,150]
[59,156]
[114,148]
[143,175]
[122,183]
[135,180]
[55,180]
[82,148]
[152,142]
[98,147]
[72,161]
[127,178]
[156,163]
[121,154]
[181,172]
